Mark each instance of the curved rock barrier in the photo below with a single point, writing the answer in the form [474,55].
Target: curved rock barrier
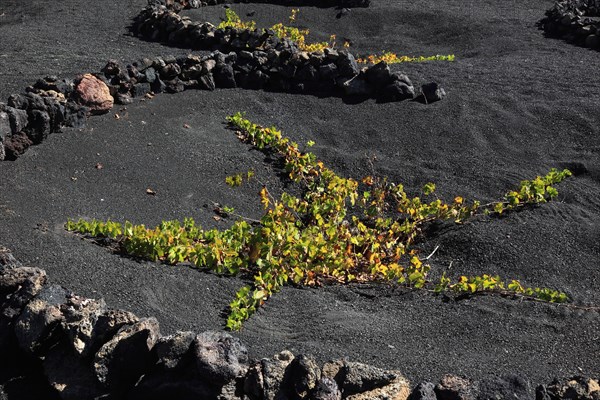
[249,59]
[576,21]
[51,103]
[88,351]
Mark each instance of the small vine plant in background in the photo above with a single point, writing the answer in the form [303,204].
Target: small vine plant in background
[339,230]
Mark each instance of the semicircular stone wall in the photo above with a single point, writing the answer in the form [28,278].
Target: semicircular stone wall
[576,21]
[250,59]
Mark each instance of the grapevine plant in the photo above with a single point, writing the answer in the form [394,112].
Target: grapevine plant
[393,58]
[298,36]
[339,230]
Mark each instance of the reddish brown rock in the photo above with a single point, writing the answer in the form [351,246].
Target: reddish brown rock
[91,92]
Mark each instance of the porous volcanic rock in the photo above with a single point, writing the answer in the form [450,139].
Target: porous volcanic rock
[220,357]
[91,92]
[128,355]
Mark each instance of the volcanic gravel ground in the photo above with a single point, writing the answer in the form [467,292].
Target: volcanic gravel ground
[518,104]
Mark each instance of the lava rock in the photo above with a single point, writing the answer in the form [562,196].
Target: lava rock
[265,378]
[592,41]
[35,102]
[7,260]
[172,350]
[302,375]
[18,119]
[288,71]
[257,80]
[135,74]
[398,389]
[127,356]
[401,77]
[70,375]
[16,145]
[65,86]
[207,82]
[576,388]
[174,86]
[219,357]
[56,111]
[308,73]
[432,92]
[80,316]
[208,66]
[75,114]
[112,68]
[452,387]
[326,389]
[396,91]
[38,128]
[92,93]
[360,377]
[331,54]
[354,378]
[18,285]
[379,75]
[108,324]
[357,87]
[509,387]
[542,394]
[5,131]
[347,64]
[158,86]
[170,71]
[123,99]
[140,89]
[150,74]
[328,72]
[423,391]
[18,101]
[224,76]
[38,327]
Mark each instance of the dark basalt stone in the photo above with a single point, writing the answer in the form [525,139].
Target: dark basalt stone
[140,89]
[432,92]
[128,355]
[39,126]
[224,76]
[75,115]
[38,326]
[347,64]
[18,119]
[219,357]
[173,351]
[396,91]
[423,391]
[16,145]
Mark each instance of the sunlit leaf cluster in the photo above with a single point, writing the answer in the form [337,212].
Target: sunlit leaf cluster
[393,58]
[232,20]
[339,230]
[239,178]
[296,35]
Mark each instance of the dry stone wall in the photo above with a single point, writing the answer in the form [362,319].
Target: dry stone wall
[86,350]
[576,21]
[255,59]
